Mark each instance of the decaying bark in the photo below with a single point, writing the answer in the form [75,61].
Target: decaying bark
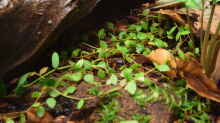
[28,26]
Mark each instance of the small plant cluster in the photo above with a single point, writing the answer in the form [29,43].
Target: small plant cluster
[209,42]
[112,63]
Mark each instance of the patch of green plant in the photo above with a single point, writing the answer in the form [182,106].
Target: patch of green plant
[94,91]
[109,112]
[95,67]
[185,106]
[141,118]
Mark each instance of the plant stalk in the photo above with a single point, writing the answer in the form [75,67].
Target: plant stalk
[202,21]
[212,51]
[205,43]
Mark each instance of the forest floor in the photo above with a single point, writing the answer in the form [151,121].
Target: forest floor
[126,71]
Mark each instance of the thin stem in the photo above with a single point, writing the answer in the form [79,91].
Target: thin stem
[110,91]
[47,74]
[71,97]
[213,51]
[89,45]
[202,21]
[191,30]
[206,39]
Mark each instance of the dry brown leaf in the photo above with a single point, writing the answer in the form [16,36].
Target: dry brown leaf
[122,28]
[167,5]
[70,122]
[141,59]
[162,56]
[43,70]
[60,119]
[149,3]
[216,72]
[33,118]
[193,73]
[121,25]
[3,104]
[146,4]
[217,120]
[173,15]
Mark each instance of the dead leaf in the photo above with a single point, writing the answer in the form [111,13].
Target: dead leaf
[60,119]
[218,119]
[43,70]
[162,56]
[121,25]
[146,5]
[149,3]
[3,104]
[133,19]
[70,122]
[173,15]
[216,72]
[193,73]
[141,59]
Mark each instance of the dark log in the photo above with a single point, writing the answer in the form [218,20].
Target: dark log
[28,26]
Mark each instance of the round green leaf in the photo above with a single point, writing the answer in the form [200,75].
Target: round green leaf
[53,93]
[22,118]
[37,104]
[75,77]
[131,87]
[89,78]
[51,102]
[40,111]
[127,73]
[162,67]
[55,60]
[87,65]
[181,54]
[140,76]
[9,121]
[76,52]
[112,80]
[47,82]
[35,94]
[110,25]
[129,121]
[101,74]
[141,36]
[80,104]
[22,81]
[101,34]
[69,90]
[103,44]
[79,64]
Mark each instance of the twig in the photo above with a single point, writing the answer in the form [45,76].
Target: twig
[47,74]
